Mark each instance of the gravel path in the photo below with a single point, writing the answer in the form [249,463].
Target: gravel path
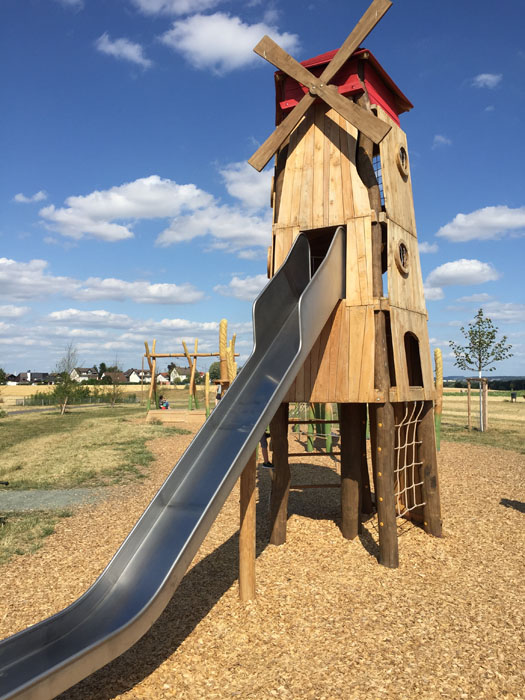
[11,501]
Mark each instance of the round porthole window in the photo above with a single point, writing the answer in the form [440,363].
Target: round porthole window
[402,161]
[402,258]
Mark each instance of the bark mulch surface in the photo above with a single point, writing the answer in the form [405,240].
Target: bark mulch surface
[329,622]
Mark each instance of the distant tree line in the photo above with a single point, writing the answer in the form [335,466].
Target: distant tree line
[515,384]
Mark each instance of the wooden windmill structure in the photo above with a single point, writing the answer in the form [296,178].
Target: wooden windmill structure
[342,160]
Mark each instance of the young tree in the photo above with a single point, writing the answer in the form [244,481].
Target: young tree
[482,350]
[66,389]
[3,376]
[69,360]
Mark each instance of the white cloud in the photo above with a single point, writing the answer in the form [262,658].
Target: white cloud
[425,247]
[220,42]
[11,311]
[98,318]
[506,313]
[174,7]
[484,224]
[440,140]
[109,215]
[21,281]
[475,298]
[433,293]
[462,272]
[22,199]
[247,185]
[230,228]
[246,288]
[487,80]
[142,292]
[146,198]
[122,49]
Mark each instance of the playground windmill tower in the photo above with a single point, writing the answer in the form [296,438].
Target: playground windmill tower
[342,160]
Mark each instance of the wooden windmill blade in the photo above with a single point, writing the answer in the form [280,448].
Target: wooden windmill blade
[370,125]
[362,119]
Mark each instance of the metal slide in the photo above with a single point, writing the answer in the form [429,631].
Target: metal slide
[288,316]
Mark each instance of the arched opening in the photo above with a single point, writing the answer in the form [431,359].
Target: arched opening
[413,358]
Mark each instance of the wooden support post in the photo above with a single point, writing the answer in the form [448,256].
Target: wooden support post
[207,393]
[223,354]
[382,426]
[366,495]
[150,365]
[485,404]
[247,531]
[469,414]
[381,414]
[193,397]
[281,478]
[351,475]
[429,473]
[153,369]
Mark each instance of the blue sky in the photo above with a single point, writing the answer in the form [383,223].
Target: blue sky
[128,209]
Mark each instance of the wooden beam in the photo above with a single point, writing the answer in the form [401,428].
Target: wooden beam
[247,531]
[351,475]
[281,477]
[382,425]
[362,119]
[428,458]
[365,25]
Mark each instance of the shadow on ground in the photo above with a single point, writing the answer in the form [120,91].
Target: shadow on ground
[204,585]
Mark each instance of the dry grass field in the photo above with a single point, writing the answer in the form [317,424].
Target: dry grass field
[329,622]
[506,422]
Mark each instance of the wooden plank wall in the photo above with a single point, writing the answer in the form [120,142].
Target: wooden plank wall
[321,188]
[340,367]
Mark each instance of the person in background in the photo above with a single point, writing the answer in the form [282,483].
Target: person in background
[264,449]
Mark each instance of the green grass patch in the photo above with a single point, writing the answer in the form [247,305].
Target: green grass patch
[90,447]
[24,533]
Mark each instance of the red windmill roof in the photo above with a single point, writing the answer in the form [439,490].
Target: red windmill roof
[381,88]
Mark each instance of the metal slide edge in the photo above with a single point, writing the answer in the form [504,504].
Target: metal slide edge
[133,590]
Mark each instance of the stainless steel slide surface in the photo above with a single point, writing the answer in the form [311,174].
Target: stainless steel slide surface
[137,584]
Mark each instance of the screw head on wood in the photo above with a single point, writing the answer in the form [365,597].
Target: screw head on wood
[381,524]
[379,474]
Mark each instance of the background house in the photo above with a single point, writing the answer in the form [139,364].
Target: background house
[83,374]
[135,376]
[30,377]
[116,377]
[179,374]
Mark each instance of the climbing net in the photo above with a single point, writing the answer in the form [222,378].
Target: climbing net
[407,473]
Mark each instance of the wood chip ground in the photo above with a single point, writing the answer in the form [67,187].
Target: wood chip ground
[328,622]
